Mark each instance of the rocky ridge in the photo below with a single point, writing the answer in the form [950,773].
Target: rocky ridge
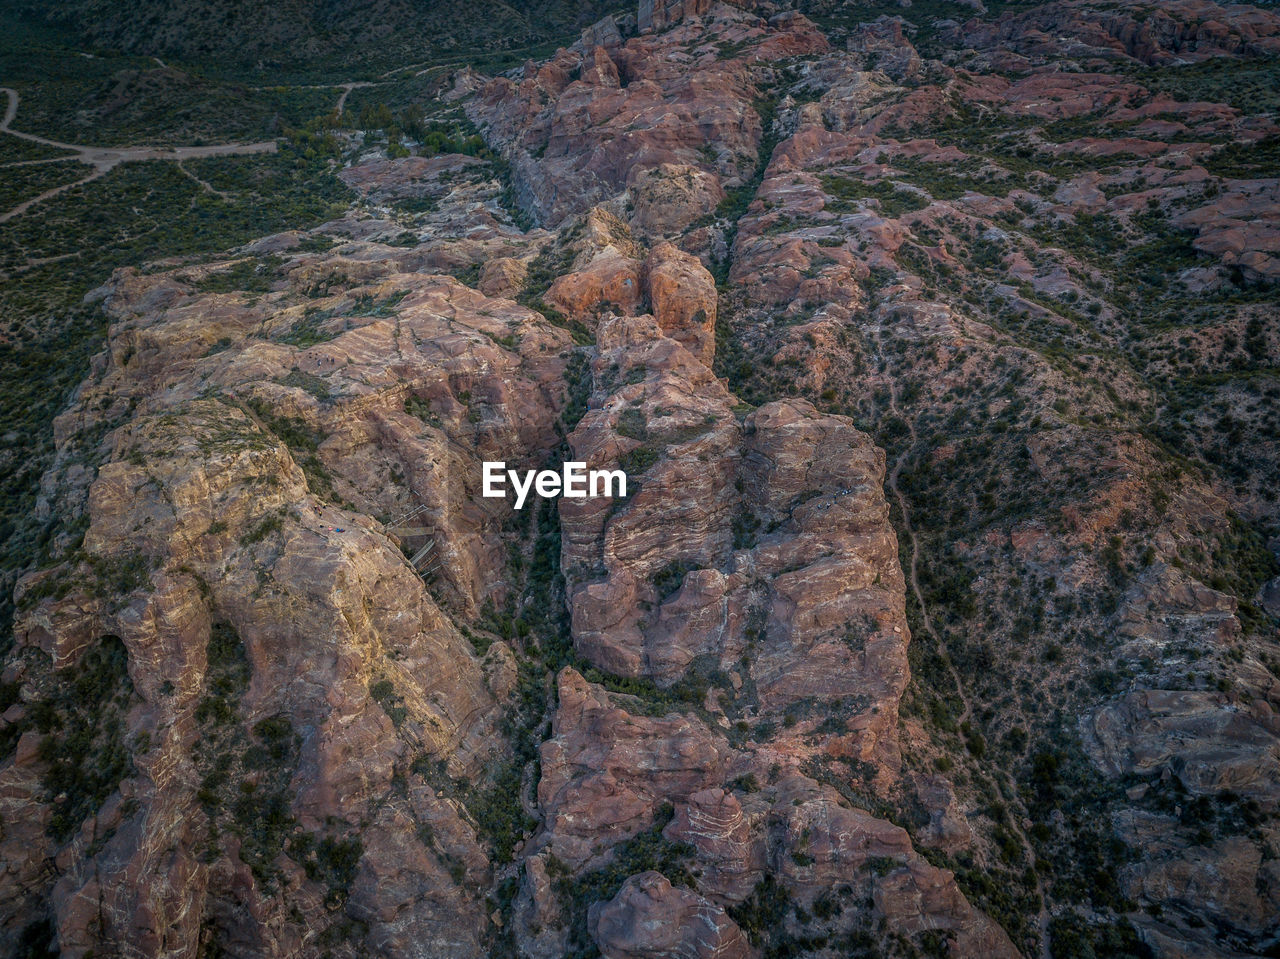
[994,682]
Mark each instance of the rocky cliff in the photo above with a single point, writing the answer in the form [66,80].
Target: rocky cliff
[939,616]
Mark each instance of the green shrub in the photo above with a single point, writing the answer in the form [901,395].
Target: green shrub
[84,736]
[315,385]
[334,862]
[384,694]
[266,527]
[632,425]
[893,201]
[250,275]
[762,913]
[670,578]
[648,850]
[639,460]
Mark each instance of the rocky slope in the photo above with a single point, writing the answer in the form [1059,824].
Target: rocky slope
[940,616]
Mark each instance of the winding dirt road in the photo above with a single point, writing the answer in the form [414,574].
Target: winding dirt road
[346,88]
[104,159]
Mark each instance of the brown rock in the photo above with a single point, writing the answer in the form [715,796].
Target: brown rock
[922,897]
[712,821]
[232,530]
[671,196]
[599,70]
[1194,28]
[611,282]
[948,829]
[575,144]
[1241,227]
[606,772]
[659,14]
[884,43]
[649,917]
[682,295]
[409,177]
[1201,736]
[502,277]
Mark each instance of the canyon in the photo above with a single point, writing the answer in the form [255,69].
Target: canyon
[936,613]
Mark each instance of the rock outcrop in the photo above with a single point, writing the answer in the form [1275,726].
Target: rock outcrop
[650,917]
[574,143]
[262,610]
[661,14]
[683,298]
[939,615]
[1186,30]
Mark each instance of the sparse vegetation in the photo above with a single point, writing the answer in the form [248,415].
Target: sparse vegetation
[82,731]
[1075,396]
[646,851]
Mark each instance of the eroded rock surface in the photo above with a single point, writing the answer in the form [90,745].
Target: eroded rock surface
[225,495]
[939,615]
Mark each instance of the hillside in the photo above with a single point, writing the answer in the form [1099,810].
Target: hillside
[315,35]
[941,351]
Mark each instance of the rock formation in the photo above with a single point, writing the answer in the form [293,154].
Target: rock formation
[938,617]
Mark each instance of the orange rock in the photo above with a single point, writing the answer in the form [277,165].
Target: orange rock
[682,295]
[669,197]
[610,283]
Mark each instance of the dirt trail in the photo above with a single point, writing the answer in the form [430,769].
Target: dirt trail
[26,205]
[104,159]
[204,184]
[891,482]
[346,89]
[913,576]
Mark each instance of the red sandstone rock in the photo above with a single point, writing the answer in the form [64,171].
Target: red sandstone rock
[682,296]
[650,917]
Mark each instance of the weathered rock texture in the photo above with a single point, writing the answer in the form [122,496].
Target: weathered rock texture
[583,127]
[650,917]
[239,493]
[939,616]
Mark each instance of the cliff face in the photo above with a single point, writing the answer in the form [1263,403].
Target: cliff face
[939,615]
[286,662]
[666,115]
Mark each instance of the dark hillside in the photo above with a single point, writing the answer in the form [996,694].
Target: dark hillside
[311,35]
